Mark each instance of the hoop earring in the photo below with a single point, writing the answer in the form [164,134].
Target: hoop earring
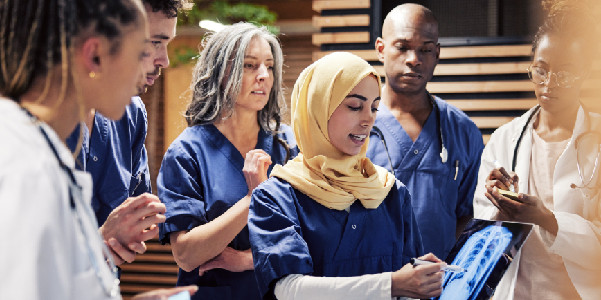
[92,74]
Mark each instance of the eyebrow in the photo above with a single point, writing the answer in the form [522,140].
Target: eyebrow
[254,57]
[160,37]
[360,97]
[408,41]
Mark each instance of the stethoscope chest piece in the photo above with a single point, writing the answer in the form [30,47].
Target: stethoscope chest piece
[444,154]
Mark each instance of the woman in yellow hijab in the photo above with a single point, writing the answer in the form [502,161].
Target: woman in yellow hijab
[330,224]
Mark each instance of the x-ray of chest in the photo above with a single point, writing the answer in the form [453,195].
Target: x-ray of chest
[484,249]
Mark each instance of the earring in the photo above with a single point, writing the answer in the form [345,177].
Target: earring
[92,74]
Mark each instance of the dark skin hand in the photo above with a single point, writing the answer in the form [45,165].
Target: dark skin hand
[526,209]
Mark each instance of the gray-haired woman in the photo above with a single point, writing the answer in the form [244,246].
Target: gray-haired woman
[208,173]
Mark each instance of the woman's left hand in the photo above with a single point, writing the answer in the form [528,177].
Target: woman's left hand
[526,209]
[231,260]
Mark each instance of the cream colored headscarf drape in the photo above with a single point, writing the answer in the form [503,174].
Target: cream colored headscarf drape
[321,171]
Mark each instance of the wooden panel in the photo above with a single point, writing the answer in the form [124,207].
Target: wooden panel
[482,69]
[319,5]
[493,104]
[341,21]
[486,138]
[340,37]
[151,278]
[453,52]
[485,51]
[480,86]
[151,268]
[369,55]
[491,122]
[475,69]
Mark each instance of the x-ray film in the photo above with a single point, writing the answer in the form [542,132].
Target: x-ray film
[484,249]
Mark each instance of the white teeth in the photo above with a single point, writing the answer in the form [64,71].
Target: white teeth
[258,92]
[359,136]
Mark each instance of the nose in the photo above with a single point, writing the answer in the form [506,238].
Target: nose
[162,58]
[551,80]
[368,118]
[412,58]
[262,72]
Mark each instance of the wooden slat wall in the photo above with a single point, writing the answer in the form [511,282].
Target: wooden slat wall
[151,270]
[490,83]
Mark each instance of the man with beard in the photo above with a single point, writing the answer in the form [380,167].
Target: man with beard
[113,152]
[433,147]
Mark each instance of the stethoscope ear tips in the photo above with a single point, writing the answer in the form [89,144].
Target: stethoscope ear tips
[444,154]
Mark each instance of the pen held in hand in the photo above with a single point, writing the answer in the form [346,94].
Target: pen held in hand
[499,166]
[447,268]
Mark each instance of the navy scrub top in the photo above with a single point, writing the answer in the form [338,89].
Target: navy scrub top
[200,178]
[291,233]
[441,193]
[116,158]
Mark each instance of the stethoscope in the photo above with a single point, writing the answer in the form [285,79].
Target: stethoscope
[444,153]
[109,285]
[580,172]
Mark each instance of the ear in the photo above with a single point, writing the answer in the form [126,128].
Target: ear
[380,49]
[91,51]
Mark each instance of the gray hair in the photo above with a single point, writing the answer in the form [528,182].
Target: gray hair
[217,77]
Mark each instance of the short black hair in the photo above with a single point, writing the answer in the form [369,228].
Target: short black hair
[168,7]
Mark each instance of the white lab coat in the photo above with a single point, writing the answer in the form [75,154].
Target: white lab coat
[45,253]
[577,211]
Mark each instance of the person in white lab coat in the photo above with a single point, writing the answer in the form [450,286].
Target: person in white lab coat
[52,54]
[550,156]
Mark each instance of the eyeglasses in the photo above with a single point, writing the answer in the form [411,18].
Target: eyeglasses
[588,150]
[563,79]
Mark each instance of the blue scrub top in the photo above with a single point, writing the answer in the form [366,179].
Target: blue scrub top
[116,158]
[200,178]
[440,192]
[291,233]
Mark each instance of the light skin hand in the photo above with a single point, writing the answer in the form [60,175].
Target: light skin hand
[164,294]
[255,168]
[422,281]
[231,260]
[132,223]
[528,209]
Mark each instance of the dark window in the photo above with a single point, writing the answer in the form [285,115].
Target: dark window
[477,18]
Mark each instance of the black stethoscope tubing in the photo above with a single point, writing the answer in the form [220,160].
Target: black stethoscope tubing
[113,290]
[517,145]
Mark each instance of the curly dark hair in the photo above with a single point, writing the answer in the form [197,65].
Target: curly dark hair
[168,7]
[571,19]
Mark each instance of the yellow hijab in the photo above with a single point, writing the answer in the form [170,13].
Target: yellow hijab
[321,171]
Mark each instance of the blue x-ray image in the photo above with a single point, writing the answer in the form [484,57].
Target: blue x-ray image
[485,249]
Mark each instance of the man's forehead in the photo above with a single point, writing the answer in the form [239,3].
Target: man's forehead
[412,34]
[410,20]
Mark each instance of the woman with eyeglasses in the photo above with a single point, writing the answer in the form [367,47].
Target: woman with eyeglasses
[549,158]
[58,60]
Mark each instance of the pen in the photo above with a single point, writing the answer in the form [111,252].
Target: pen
[456,169]
[498,166]
[448,268]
